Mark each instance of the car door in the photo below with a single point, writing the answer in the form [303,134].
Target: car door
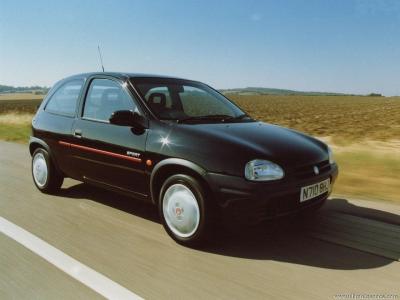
[108,154]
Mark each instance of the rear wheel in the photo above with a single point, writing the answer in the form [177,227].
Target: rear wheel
[45,176]
[184,210]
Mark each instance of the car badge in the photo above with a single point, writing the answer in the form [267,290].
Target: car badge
[133,154]
[316,170]
[178,211]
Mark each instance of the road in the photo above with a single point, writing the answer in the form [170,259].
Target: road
[351,246]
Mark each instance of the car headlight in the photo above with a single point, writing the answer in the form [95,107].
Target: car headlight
[263,170]
[330,155]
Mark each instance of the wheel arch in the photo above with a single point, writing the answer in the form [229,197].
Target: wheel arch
[171,166]
[35,143]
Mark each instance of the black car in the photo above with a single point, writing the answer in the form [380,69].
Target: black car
[178,144]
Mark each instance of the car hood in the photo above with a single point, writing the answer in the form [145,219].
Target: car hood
[227,147]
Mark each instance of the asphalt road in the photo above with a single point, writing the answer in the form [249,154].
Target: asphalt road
[351,246]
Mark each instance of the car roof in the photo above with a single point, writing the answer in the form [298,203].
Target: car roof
[121,75]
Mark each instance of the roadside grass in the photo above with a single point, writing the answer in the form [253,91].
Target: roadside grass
[16,118]
[15,133]
[15,127]
[16,112]
[363,131]
[368,172]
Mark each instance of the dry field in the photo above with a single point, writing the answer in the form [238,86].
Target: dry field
[363,131]
[19,103]
[20,96]
[343,118]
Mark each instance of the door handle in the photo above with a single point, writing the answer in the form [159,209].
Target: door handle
[78,133]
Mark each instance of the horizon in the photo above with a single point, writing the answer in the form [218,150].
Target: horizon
[31,88]
[317,46]
[224,89]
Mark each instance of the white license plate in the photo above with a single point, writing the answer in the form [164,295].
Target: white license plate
[314,190]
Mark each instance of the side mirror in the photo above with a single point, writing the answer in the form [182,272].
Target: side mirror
[128,118]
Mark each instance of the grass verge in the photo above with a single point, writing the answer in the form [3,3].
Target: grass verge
[15,133]
[368,174]
[15,127]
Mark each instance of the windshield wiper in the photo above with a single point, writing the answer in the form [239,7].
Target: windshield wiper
[222,118]
[239,117]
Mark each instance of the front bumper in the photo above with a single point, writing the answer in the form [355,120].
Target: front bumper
[253,202]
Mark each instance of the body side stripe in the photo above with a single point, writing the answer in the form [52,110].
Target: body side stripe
[98,151]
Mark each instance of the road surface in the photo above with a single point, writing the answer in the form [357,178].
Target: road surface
[350,247]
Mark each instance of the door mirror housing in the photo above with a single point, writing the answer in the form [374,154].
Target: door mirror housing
[128,118]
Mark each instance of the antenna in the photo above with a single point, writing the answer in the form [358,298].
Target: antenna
[101,57]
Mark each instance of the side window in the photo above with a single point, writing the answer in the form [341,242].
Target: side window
[64,100]
[105,97]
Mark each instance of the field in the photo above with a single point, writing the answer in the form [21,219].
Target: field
[16,111]
[363,131]
[19,103]
[343,118]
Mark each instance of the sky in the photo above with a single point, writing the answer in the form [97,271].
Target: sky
[310,45]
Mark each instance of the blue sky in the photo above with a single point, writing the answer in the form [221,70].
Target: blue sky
[320,45]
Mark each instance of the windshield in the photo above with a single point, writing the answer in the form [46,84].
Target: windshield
[187,101]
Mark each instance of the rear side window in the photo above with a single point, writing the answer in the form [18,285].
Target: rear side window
[105,97]
[64,100]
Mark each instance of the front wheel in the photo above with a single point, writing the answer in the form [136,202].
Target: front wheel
[44,173]
[185,213]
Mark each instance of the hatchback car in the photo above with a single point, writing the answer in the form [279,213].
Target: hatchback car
[180,145]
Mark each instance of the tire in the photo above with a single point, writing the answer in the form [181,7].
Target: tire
[45,176]
[187,214]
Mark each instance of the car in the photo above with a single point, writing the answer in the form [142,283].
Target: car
[180,145]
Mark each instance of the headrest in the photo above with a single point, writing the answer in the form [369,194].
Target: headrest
[158,99]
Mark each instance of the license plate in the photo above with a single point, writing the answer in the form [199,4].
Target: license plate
[314,190]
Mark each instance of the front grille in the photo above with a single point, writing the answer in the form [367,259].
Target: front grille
[307,171]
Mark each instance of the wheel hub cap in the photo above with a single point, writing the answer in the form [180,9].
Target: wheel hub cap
[39,166]
[181,210]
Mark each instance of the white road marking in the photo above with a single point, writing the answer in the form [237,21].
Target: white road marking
[89,277]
